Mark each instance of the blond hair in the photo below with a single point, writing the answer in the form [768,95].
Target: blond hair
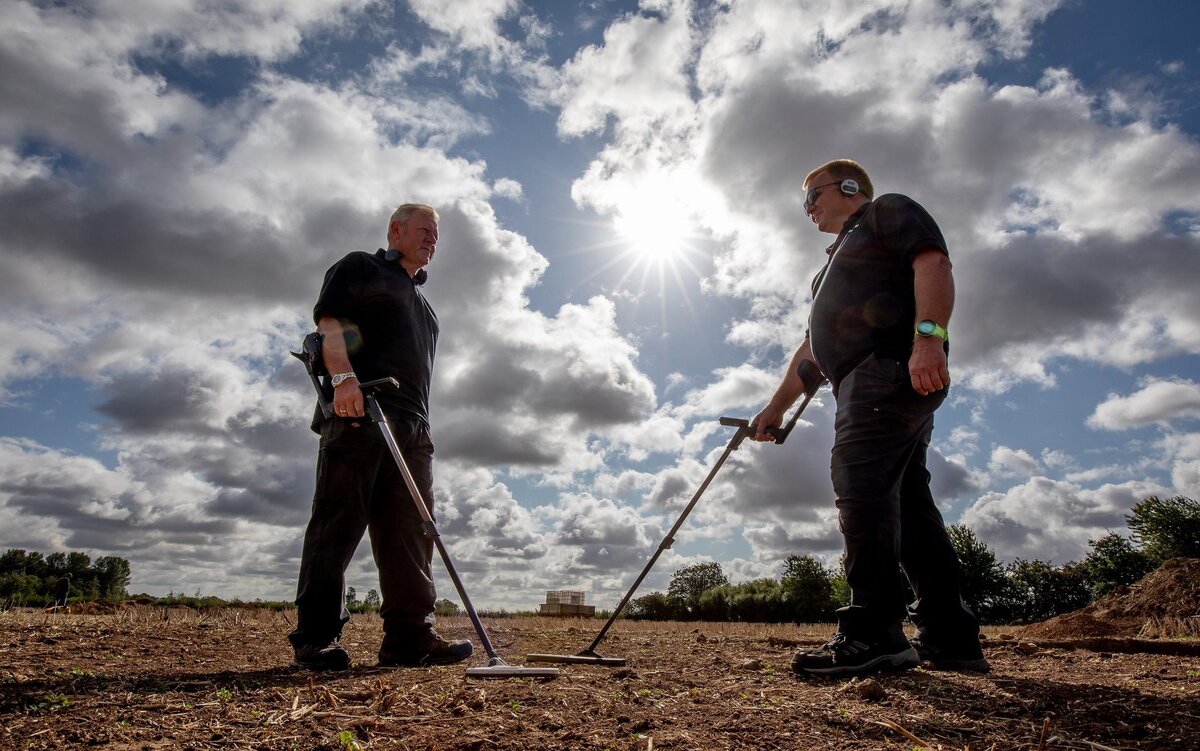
[404,211]
[843,169]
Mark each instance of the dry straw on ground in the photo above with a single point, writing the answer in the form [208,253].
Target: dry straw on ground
[151,679]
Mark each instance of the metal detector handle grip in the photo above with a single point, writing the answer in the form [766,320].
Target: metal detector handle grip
[314,362]
[741,422]
[744,424]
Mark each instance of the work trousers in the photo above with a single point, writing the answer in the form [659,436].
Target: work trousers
[888,518]
[360,488]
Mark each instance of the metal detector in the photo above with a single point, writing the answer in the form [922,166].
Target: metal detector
[589,656]
[310,355]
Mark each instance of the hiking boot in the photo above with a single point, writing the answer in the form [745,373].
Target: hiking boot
[965,658]
[330,656]
[844,655]
[435,651]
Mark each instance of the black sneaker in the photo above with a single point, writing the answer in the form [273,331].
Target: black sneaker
[436,651]
[843,655]
[330,656]
[967,658]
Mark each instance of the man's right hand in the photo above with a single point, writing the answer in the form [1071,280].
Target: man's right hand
[348,399]
[768,418]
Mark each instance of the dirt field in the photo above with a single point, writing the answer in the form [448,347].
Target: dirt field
[156,679]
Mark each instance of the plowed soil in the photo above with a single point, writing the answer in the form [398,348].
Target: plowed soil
[157,679]
[154,679]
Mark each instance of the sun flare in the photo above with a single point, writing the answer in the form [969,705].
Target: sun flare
[655,229]
[656,247]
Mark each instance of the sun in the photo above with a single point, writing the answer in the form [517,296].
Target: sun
[655,229]
[657,232]
[655,239]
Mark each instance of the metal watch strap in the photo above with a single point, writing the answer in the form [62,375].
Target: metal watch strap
[339,378]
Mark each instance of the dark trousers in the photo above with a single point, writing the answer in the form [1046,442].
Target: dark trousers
[891,525]
[359,488]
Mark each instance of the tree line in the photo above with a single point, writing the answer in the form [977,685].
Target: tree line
[30,578]
[1021,591]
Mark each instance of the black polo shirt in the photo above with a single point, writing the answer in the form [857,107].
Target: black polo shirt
[390,329]
[863,300]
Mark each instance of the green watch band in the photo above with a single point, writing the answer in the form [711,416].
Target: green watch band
[930,328]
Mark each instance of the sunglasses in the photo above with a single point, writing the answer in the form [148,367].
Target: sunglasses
[815,192]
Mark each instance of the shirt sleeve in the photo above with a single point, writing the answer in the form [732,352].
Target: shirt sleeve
[905,227]
[340,290]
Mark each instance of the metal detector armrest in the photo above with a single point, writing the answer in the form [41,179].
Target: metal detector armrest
[811,375]
[314,363]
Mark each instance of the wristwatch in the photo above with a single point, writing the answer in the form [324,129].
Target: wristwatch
[340,378]
[930,328]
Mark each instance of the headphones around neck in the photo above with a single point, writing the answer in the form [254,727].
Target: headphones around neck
[393,256]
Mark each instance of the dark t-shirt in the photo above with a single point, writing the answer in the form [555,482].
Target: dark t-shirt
[863,299]
[389,328]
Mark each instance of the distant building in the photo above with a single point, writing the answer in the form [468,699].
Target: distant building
[565,602]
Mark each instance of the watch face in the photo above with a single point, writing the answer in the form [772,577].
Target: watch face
[926,328]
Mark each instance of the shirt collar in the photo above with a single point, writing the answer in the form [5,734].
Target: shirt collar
[850,223]
[393,256]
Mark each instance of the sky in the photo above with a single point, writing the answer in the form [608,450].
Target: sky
[623,259]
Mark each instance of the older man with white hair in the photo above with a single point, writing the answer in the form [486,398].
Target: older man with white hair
[375,323]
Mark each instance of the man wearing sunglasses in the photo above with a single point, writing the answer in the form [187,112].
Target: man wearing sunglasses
[878,332]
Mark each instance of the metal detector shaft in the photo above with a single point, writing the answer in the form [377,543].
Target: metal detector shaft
[314,363]
[743,430]
[496,666]
[376,413]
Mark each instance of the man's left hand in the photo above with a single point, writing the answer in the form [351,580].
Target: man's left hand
[927,366]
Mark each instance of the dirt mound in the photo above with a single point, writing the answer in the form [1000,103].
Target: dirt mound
[1168,595]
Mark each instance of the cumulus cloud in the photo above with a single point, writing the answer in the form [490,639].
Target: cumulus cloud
[167,518]
[1052,520]
[1053,251]
[1031,184]
[1159,401]
[177,289]
[1183,452]
[1007,462]
[637,75]
[161,244]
